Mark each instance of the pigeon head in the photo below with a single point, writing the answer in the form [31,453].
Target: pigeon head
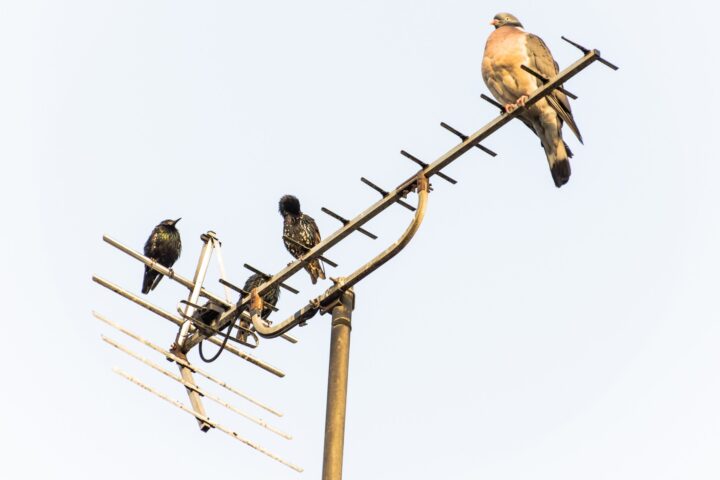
[170,223]
[505,19]
[289,205]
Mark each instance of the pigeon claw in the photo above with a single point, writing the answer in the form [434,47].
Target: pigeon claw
[509,107]
[521,101]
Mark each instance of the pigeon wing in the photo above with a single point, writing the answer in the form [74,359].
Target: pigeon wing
[541,60]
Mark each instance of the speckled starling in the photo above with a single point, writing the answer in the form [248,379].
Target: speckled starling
[164,247]
[271,295]
[302,229]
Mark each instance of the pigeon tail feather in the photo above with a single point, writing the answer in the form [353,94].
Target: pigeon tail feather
[559,164]
[560,172]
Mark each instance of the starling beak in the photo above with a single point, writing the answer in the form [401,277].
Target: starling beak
[303,229]
[164,247]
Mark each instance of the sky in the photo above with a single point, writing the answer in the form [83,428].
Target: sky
[526,331]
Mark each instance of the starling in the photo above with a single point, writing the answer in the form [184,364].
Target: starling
[164,247]
[302,229]
[270,296]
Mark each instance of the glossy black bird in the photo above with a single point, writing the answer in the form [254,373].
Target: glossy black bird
[164,247]
[302,229]
[271,295]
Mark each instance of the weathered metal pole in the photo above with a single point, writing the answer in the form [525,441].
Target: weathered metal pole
[337,386]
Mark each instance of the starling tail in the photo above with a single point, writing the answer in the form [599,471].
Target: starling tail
[150,280]
[315,269]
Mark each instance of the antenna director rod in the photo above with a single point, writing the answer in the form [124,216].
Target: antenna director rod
[432,169]
[401,191]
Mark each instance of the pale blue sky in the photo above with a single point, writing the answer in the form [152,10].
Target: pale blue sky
[562,334]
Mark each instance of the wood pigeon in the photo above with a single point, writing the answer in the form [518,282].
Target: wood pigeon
[509,47]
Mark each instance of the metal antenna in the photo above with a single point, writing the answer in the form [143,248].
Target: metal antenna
[205,420]
[543,79]
[338,300]
[305,247]
[464,137]
[345,221]
[173,358]
[492,101]
[424,165]
[385,193]
[282,284]
[586,51]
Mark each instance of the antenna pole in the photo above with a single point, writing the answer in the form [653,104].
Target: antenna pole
[337,386]
[178,347]
[202,267]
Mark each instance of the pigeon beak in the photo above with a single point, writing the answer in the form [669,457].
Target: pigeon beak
[494,22]
[177,221]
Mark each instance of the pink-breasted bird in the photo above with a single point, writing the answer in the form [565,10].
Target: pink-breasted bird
[507,48]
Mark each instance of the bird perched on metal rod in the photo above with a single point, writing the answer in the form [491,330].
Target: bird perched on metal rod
[507,49]
[303,234]
[269,296]
[164,247]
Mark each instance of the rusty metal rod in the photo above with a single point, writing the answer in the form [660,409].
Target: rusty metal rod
[200,325]
[272,307]
[493,102]
[185,363]
[205,419]
[161,269]
[282,284]
[328,298]
[195,388]
[338,367]
[385,193]
[168,316]
[423,165]
[243,292]
[345,221]
[544,79]
[576,45]
[305,247]
[179,278]
[464,137]
[198,280]
[386,201]
[587,50]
